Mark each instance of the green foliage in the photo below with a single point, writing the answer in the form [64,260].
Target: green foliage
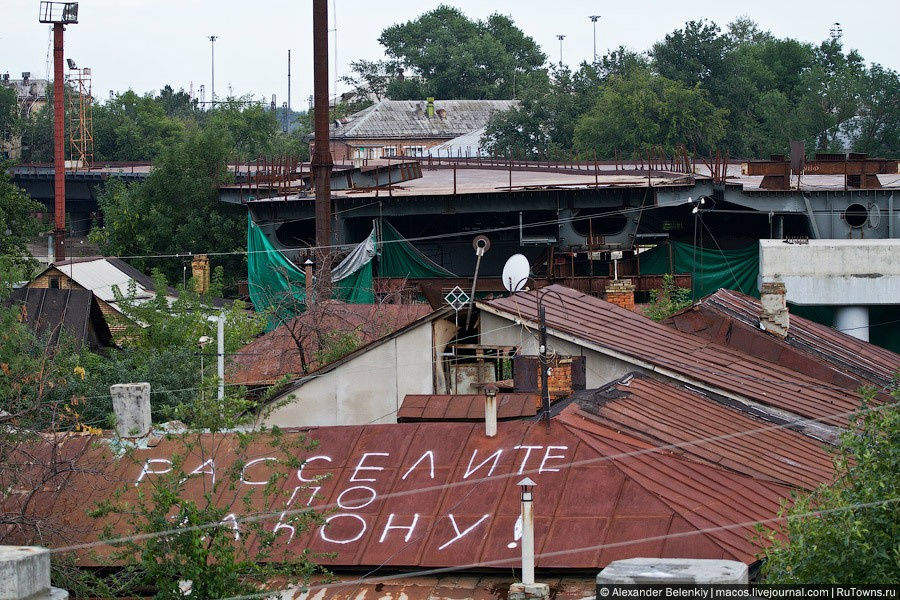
[130,127]
[336,345]
[452,56]
[641,111]
[667,300]
[177,208]
[17,226]
[9,113]
[187,519]
[855,537]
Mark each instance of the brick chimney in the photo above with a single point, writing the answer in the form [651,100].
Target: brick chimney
[200,272]
[621,293]
[774,316]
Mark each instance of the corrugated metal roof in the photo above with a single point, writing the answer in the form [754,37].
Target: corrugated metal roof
[100,275]
[444,495]
[664,414]
[833,357]
[443,587]
[406,119]
[465,407]
[468,144]
[623,333]
[275,354]
[51,311]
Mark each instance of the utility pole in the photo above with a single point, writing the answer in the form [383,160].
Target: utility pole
[212,45]
[289,80]
[594,19]
[560,37]
[542,359]
[322,162]
[59,14]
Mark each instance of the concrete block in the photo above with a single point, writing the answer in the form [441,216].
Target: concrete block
[24,572]
[131,404]
[530,591]
[673,570]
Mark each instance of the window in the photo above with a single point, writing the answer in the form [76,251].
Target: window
[389,151]
[54,283]
[414,150]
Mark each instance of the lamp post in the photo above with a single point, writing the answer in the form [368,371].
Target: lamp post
[212,45]
[560,37]
[594,19]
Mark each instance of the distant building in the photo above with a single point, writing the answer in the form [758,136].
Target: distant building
[409,127]
[31,96]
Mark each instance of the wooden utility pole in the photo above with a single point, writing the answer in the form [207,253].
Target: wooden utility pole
[321,159]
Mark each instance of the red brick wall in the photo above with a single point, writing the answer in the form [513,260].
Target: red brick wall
[621,293]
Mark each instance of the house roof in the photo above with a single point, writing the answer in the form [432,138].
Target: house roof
[623,334]
[451,497]
[50,311]
[465,407]
[732,319]
[407,119]
[676,417]
[100,274]
[276,354]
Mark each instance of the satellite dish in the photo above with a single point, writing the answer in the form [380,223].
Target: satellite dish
[515,273]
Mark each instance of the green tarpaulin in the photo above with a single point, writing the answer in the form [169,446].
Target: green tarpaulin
[274,281]
[712,269]
[399,258]
[739,270]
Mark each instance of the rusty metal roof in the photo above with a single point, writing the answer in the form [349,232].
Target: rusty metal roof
[732,319]
[465,407]
[50,311]
[444,495]
[664,414]
[442,587]
[618,332]
[275,354]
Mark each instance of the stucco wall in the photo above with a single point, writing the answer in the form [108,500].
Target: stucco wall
[366,389]
[600,369]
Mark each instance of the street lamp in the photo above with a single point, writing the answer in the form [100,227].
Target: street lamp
[212,44]
[594,19]
[560,37]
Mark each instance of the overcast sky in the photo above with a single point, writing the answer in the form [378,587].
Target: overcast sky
[145,44]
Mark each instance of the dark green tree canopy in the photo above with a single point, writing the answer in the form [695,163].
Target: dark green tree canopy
[453,56]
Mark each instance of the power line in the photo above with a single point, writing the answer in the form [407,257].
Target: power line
[258,517]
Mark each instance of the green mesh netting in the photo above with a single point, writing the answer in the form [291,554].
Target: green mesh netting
[274,281]
[399,258]
[739,270]
[712,268]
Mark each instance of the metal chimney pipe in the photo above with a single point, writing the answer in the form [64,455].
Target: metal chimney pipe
[490,410]
[527,532]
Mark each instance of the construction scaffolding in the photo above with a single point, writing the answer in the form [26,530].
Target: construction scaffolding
[81,120]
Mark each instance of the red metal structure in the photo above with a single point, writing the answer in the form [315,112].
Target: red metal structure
[60,14]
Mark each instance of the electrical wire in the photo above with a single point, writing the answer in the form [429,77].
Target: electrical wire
[662,448]
[557,553]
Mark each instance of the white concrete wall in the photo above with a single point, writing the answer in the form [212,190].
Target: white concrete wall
[366,389]
[834,272]
[601,369]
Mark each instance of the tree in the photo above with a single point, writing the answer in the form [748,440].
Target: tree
[854,537]
[9,112]
[17,226]
[455,57]
[642,111]
[177,208]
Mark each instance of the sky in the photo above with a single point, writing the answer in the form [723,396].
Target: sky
[145,44]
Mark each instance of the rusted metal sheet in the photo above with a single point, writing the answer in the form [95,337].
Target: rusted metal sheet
[859,170]
[610,328]
[465,407]
[666,415]
[277,353]
[444,495]
[830,356]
